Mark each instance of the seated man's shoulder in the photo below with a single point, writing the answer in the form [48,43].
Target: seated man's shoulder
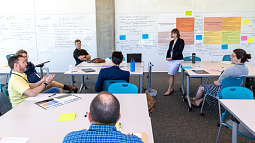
[130,138]
[75,135]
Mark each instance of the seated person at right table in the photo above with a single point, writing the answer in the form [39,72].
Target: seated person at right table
[79,54]
[112,73]
[238,58]
[33,76]
[19,88]
[104,114]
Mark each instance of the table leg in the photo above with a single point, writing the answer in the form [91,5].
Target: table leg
[235,132]
[187,94]
[141,84]
[72,79]
[182,82]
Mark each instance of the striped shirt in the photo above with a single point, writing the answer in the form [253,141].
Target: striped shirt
[102,134]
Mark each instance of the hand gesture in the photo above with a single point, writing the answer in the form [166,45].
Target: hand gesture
[44,78]
[50,78]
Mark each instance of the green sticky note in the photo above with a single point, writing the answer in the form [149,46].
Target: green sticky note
[66,117]
[188,13]
[246,21]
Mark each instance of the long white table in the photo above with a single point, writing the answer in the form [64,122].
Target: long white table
[78,71]
[29,120]
[244,113]
[207,66]
[124,64]
[131,105]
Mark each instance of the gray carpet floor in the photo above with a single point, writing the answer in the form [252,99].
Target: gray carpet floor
[171,120]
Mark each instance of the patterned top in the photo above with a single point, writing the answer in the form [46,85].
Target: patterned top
[234,71]
[102,134]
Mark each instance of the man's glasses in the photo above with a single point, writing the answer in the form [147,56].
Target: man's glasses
[25,57]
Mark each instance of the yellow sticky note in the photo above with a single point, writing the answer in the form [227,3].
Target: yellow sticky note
[117,126]
[66,117]
[3,65]
[250,40]
[246,21]
[188,13]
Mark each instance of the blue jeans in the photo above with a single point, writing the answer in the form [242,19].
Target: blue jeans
[52,90]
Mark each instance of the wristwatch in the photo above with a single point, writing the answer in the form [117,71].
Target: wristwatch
[45,84]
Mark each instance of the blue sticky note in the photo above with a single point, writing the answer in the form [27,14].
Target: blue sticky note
[145,36]
[187,67]
[122,37]
[224,46]
[199,37]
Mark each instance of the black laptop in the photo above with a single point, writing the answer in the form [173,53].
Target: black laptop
[136,56]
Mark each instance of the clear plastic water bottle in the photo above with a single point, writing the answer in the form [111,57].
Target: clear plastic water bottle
[193,58]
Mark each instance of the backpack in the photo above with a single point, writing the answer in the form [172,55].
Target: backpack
[150,102]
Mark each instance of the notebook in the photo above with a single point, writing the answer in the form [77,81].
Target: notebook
[88,70]
[200,71]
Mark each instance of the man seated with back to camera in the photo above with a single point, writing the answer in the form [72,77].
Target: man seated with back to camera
[104,114]
[112,73]
[33,76]
[19,88]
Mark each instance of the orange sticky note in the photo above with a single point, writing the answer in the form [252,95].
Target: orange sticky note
[250,40]
[188,13]
[246,21]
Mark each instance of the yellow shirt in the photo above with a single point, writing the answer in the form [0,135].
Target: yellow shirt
[18,84]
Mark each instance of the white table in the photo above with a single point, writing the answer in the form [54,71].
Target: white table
[124,64]
[131,105]
[138,72]
[32,121]
[244,113]
[207,66]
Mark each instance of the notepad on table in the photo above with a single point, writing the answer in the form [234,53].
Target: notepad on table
[66,117]
[187,67]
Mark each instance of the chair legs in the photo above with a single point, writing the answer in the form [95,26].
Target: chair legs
[219,132]
[201,112]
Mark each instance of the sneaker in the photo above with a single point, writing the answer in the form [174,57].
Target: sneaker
[71,87]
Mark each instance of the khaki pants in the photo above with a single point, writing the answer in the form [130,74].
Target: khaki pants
[54,84]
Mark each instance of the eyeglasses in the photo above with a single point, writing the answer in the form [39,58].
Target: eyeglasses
[25,57]
[232,56]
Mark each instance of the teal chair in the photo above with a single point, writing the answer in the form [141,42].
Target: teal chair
[123,58]
[123,88]
[5,90]
[107,83]
[226,58]
[227,82]
[8,56]
[235,93]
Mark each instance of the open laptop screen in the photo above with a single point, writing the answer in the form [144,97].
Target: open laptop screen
[136,56]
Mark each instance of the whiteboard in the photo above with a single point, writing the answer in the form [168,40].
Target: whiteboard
[142,26]
[47,29]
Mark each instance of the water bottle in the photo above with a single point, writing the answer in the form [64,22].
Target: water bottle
[193,58]
[132,65]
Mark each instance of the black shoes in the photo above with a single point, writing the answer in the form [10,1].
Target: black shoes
[169,93]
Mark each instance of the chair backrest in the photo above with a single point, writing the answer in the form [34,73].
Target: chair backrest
[123,88]
[107,83]
[123,58]
[189,58]
[236,93]
[8,56]
[232,81]
[226,58]
[5,90]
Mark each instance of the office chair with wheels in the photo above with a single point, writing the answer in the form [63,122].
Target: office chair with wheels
[8,56]
[226,58]
[235,93]
[227,82]
[123,88]
[5,104]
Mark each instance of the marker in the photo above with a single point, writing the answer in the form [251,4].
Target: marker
[52,95]
[86,114]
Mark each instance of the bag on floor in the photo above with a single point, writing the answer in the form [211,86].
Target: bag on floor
[150,102]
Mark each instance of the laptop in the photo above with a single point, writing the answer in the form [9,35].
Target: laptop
[136,56]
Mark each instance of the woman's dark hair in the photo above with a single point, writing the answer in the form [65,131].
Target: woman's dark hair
[175,31]
[241,54]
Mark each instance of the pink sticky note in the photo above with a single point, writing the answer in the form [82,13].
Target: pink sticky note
[214,70]
[243,38]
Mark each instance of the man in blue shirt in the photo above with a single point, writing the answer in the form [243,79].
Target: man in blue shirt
[33,76]
[112,73]
[104,114]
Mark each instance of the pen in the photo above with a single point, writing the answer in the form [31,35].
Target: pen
[86,114]
[52,95]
